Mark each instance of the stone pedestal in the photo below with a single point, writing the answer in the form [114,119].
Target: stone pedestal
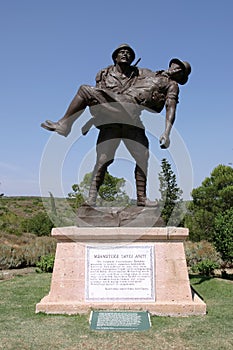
[121,268]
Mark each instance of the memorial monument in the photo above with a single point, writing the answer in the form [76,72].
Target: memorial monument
[122,259]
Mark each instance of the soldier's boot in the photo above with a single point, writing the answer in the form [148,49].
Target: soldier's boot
[142,200]
[62,127]
[96,182]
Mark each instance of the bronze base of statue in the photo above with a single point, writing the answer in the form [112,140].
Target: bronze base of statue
[134,216]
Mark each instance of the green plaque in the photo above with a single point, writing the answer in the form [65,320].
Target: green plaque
[120,321]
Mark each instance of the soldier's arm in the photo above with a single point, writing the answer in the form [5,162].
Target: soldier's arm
[171,103]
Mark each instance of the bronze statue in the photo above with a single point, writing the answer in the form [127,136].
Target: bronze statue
[122,91]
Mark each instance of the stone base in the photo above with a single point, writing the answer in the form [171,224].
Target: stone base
[173,309]
[173,295]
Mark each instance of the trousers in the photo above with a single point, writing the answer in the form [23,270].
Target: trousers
[109,138]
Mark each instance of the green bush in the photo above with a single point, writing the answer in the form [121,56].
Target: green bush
[205,267]
[40,224]
[10,222]
[45,264]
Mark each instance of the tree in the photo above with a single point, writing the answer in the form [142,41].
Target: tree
[200,223]
[223,235]
[110,193]
[213,197]
[76,196]
[171,203]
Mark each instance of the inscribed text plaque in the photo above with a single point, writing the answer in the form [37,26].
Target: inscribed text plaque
[120,273]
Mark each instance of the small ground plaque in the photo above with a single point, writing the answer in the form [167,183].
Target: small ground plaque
[120,321]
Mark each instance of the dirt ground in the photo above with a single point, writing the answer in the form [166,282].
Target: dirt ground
[8,274]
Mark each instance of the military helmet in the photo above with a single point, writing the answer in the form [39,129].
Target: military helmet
[123,46]
[185,67]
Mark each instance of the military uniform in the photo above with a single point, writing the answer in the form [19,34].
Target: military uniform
[117,115]
[116,103]
[114,93]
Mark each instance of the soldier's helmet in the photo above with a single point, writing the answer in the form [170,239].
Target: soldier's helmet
[123,46]
[185,67]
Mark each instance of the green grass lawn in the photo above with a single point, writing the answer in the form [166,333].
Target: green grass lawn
[21,328]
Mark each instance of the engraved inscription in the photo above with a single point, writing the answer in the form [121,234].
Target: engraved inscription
[118,319]
[124,273]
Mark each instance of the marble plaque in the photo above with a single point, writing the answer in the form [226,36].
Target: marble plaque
[120,273]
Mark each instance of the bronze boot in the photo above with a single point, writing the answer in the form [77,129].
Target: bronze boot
[96,182]
[142,200]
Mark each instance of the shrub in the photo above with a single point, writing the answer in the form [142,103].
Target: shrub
[10,222]
[24,251]
[205,267]
[45,264]
[196,252]
[6,257]
[37,248]
[40,224]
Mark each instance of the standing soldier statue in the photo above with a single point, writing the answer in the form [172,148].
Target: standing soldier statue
[121,93]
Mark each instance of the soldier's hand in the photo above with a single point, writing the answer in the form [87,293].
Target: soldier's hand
[164,141]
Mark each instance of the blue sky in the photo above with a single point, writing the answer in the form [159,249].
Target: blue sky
[49,48]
